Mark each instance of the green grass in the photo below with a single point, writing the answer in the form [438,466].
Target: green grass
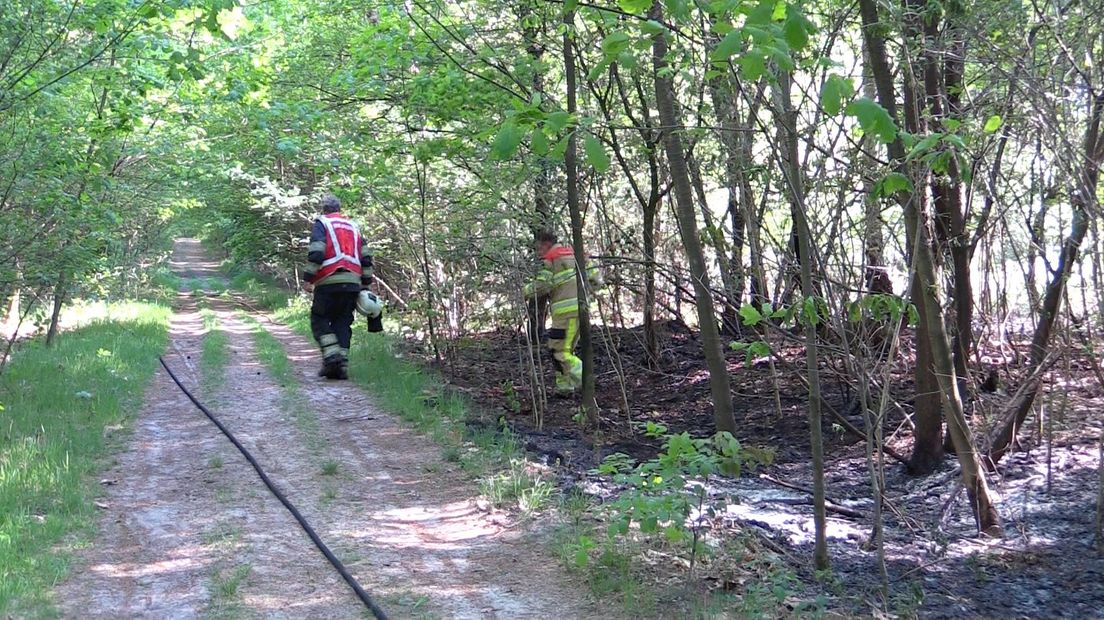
[215,354]
[329,468]
[516,485]
[224,588]
[63,409]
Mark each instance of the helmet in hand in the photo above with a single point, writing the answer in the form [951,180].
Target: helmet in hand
[369,305]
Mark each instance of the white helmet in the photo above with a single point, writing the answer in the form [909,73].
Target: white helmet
[369,305]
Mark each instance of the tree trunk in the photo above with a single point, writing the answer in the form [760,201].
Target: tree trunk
[973,476]
[796,190]
[684,201]
[927,451]
[925,288]
[586,348]
[55,315]
[729,318]
[724,106]
[651,210]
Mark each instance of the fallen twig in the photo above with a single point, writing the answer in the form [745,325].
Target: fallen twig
[829,504]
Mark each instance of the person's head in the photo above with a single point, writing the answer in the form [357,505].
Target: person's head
[330,204]
[544,242]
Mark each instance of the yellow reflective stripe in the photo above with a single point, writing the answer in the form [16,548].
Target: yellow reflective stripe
[563,277]
[327,340]
[569,339]
[565,306]
[317,246]
[329,350]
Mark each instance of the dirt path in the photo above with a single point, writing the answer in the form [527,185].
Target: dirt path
[190,531]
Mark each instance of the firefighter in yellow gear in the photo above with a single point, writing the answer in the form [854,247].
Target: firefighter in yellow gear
[557,280]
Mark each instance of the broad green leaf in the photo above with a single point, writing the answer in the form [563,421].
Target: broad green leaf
[596,153]
[763,12]
[653,27]
[834,92]
[634,6]
[892,183]
[539,142]
[750,315]
[810,314]
[507,141]
[614,42]
[923,146]
[994,123]
[728,46]
[873,119]
[752,67]
[557,120]
[794,30]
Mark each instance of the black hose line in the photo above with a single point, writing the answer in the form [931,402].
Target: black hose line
[361,594]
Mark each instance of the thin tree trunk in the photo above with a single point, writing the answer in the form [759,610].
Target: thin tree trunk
[651,210]
[796,190]
[927,450]
[55,316]
[586,347]
[876,275]
[724,106]
[684,201]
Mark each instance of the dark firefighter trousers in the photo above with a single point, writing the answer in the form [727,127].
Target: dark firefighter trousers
[331,318]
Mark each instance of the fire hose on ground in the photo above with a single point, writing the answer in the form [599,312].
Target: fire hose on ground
[337,564]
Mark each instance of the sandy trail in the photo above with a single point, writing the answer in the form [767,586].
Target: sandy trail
[190,531]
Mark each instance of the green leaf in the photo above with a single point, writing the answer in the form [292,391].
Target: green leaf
[892,183]
[557,121]
[752,67]
[794,31]
[596,153]
[923,146]
[728,46]
[539,142]
[634,6]
[873,119]
[994,123]
[835,90]
[750,315]
[614,42]
[653,27]
[507,141]
[810,314]
[763,12]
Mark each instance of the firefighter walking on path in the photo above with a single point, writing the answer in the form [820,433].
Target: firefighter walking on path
[557,280]
[338,268]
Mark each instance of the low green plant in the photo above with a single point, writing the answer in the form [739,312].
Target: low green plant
[510,395]
[667,495]
[329,468]
[224,589]
[516,485]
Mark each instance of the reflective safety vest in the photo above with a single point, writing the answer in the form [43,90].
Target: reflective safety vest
[342,246]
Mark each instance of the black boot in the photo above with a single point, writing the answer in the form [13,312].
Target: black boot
[343,369]
[331,367]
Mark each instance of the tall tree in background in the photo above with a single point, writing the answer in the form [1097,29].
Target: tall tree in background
[586,347]
[688,229]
